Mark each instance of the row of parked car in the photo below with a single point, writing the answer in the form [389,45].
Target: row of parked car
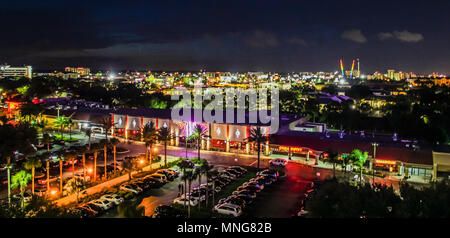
[99,206]
[155,180]
[199,193]
[244,195]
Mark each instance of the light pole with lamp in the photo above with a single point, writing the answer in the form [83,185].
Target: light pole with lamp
[373,162]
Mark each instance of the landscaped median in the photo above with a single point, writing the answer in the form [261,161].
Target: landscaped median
[100,188]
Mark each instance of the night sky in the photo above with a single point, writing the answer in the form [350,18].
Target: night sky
[227,35]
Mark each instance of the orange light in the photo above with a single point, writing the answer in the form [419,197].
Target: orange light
[53,192]
[141,161]
[90,170]
[387,162]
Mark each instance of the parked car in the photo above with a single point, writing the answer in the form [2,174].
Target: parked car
[245,198]
[278,162]
[234,172]
[165,211]
[188,200]
[51,179]
[210,187]
[153,182]
[219,184]
[270,172]
[99,210]
[176,171]
[116,199]
[228,209]
[131,188]
[161,177]
[251,188]
[224,180]
[197,194]
[233,200]
[140,183]
[227,175]
[168,173]
[268,180]
[103,203]
[259,185]
[245,192]
[238,168]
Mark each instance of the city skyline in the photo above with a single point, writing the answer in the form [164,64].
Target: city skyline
[228,36]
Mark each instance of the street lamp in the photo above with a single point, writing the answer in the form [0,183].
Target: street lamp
[373,163]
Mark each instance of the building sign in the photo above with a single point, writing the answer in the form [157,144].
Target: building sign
[238,133]
[219,131]
[119,121]
[385,162]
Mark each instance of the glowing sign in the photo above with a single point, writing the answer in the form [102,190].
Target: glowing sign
[386,162]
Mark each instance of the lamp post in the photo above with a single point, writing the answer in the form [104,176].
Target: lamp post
[373,162]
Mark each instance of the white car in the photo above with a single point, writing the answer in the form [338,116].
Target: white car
[131,188]
[161,177]
[278,162]
[103,203]
[116,199]
[181,200]
[228,209]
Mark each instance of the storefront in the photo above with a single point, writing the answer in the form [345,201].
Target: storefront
[386,165]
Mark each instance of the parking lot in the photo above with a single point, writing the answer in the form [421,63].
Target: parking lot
[279,200]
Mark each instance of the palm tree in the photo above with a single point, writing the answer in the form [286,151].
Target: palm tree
[61,122]
[198,134]
[189,176]
[258,137]
[46,140]
[114,142]
[359,159]
[95,148]
[20,179]
[333,157]
[128,165]
[105,144]
[185,165]
[88,133]
[32,163]
[75,186]
[204,169]
[164,136]
[107,124]
[213,174]
[149,134]
[69,124]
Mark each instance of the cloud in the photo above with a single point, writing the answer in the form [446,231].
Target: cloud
[354,35]
[407,36]
[385,35]
[404,36]
[296,41]
[261,39]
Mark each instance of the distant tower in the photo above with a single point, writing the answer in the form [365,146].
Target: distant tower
[359,72]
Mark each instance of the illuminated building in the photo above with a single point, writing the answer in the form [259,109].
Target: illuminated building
[8,71]
[80,70]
